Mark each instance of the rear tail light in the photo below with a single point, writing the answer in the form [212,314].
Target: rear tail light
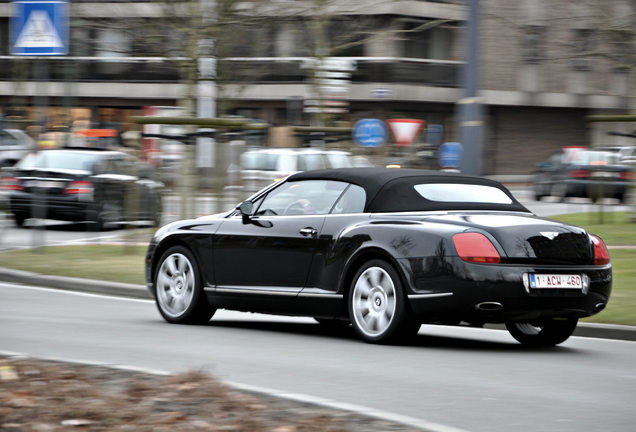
[475,247]
[579,173]
[627,175]
[11,183]
[601,254]
[79,188]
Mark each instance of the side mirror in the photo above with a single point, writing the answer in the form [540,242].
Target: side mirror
[246,208]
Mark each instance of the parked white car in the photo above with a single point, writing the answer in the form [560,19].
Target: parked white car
[260,168]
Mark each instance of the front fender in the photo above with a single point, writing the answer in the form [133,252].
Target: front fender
[196,234]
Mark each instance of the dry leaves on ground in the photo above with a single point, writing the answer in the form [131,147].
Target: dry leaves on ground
[48,396]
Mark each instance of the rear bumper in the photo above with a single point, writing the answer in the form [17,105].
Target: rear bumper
[603,188]
[67,208]
[482,293]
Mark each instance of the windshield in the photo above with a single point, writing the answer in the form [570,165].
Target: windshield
[48,159]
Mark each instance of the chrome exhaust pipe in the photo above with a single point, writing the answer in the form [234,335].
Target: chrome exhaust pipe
[489,306]
[599,307]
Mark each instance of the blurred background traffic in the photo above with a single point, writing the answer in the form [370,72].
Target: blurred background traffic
[537,93]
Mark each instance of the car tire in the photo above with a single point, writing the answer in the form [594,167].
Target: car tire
[108,212]
[551,333]
[560,191]
[538,192]
[377,304]
[20,218]
[178,288]
[621,198]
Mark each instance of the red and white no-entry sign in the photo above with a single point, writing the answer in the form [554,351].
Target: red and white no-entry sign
[404,131]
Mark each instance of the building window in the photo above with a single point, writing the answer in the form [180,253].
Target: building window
[347,37]
[533,44]
[584,45]
[426,40]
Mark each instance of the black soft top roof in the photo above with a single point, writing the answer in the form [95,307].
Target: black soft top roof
[391,189]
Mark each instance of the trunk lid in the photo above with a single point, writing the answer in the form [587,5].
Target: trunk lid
[51,182]
[527,239]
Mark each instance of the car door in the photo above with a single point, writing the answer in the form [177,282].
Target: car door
[271,254]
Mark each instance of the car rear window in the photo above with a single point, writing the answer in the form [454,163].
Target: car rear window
[48,159]
[445,193]
[596,158]
[466,193]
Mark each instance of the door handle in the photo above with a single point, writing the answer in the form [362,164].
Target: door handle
[308,232]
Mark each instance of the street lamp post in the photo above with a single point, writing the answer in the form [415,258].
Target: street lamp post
[470,107]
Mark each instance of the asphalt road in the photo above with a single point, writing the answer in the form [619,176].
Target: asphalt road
[450,379]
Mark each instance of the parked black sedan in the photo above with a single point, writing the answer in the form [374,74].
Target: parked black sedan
[102,187]
[584,173]
[385,250]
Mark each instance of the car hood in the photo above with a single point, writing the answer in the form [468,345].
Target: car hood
[526,238]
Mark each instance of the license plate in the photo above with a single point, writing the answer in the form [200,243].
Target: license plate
[555,281]
[49,184]
[605,174]
[42,184]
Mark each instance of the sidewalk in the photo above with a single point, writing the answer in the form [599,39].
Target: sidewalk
[603,331]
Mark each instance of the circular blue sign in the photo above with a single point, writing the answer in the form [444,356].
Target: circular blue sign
[449,155]
[370,133]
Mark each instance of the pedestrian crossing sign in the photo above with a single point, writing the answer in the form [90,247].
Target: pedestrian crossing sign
[39,28]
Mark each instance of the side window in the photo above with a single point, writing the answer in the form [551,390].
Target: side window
[308,197]
[352,201]
[307,162]
[100,165]
[556,159]
[127,166]
[7,139]
[119,166]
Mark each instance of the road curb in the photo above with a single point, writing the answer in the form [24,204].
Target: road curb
[74,284]
[602,331]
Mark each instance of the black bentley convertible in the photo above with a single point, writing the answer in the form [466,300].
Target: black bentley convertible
[385,250]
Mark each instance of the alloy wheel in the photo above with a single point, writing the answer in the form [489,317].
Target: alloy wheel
[175,285]
[374,301]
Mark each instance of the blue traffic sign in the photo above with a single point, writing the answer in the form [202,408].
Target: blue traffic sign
[449,155]
[39,28]
[370,133]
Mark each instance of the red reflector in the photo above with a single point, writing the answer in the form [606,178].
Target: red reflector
[79,187]
[475,247]
[579,173]
[601,254]
[11,183]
